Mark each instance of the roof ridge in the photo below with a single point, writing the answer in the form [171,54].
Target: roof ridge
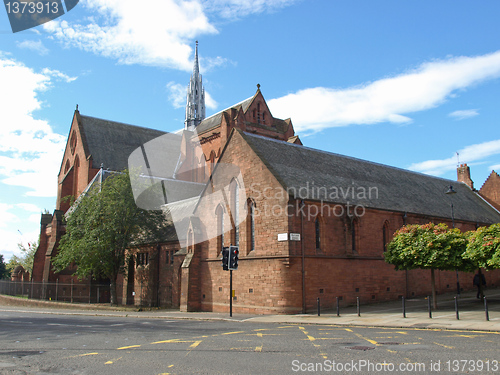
[349,157]
[121,123]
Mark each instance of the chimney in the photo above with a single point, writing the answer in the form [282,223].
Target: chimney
[463,175]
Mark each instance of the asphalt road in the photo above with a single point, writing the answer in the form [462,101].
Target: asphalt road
[32,343]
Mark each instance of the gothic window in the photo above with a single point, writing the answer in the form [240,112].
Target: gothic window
[76,167]
[385,234]
[66,167]
[72,142]
[235,212]
[317,231]
[212,161]
[142,259]
[219,213]
[264,117]
[354,229]
[250,225]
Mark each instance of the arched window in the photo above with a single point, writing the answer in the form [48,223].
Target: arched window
[385,234]
[250,226]
[317,231]
[190,240]
[76,170]
[66,167]
[354,229]
[235,200]
[212,161]
[219,213]
[201,177]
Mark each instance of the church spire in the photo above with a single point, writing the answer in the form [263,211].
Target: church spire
[195,101]
[196,68]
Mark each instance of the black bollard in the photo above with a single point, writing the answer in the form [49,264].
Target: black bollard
[456,308]
[319,313]
[357,306]
[486,309]
[338,306]
[429,306]
[404,307]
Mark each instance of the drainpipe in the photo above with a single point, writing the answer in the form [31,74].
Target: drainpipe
[303,258]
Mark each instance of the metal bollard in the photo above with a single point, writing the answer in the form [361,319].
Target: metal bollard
[338,306]
[456,308]
[357,306]
[429,306]
[319,308]
[404,306]
[486,309]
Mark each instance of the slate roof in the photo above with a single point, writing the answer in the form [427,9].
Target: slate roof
[325,176]
[216,119]
[111,143]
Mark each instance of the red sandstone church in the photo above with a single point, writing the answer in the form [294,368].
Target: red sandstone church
[313,224]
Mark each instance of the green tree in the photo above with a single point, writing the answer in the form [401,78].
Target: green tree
[428,246]
[483,248]
[104,223]
[3,268]
[26,259]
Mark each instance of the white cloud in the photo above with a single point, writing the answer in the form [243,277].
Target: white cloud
[235,9]
[30,152]
[58,75]
[495,167]
[177,96]
[6,217]
[469,154]
[33,45]
[388,99]
[464,114]
[29,207]
[158,32]
[210,102]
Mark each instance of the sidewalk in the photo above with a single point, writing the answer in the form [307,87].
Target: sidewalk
[388,314]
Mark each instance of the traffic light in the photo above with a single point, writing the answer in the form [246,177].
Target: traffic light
[233,257]
[225,258]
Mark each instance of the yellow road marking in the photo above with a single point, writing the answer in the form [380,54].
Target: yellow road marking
[232,333]
[365,338]
[83,355]
[403,333]
[112,361]
[128,347]
[258,348]
[195,344]
[445,346]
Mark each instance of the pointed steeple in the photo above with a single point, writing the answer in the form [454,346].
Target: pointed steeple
[196,68]
[195,101]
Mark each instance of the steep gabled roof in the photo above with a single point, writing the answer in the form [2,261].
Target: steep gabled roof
[110,143]
[216,119]
[323,176]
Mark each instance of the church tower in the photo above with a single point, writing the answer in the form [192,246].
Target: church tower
[195,103]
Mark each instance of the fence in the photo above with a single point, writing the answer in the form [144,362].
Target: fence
[66,292]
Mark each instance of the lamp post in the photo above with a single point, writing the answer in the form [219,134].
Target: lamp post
[451,192]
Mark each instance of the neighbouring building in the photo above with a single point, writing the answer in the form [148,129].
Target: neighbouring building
[308,223]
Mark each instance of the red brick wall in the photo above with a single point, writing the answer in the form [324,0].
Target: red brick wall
[491,189]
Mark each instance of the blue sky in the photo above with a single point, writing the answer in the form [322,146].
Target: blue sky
[403,83]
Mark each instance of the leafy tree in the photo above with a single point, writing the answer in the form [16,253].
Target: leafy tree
[25,260]
[428,246]
[483,248]
[3,268]
[104,223]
